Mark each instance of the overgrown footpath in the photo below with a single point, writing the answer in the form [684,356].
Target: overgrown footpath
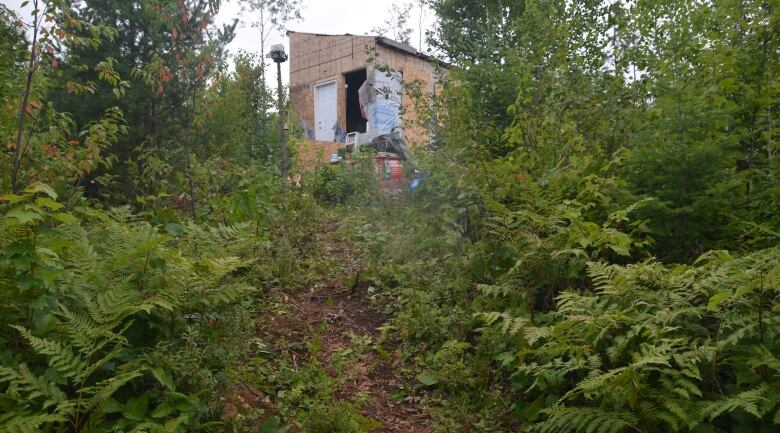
[322,362]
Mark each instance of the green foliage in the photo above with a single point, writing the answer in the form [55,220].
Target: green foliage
[12,45]
[564,419]
[335,184]
[594,247]
[552,87]
[49,143]
[355,183]
[342,418]
[236,121]
[656,348]
[567,249]
[623,347]
[122,326]
[168,51]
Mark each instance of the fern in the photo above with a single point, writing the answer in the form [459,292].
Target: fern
[102,391]
[585,420]
[113,276]
[504,322]
[22,382]
[752,401]
[27,422]
[225,295]
[647,346]
[60,356]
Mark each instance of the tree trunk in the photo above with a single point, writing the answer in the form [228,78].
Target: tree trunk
[188,152]
[23,107]
[18,146]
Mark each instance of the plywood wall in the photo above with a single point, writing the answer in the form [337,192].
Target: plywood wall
[413,69]
[317,59]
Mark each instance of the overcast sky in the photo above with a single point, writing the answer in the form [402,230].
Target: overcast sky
[319,16]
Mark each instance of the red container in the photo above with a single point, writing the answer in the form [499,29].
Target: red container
[390,171]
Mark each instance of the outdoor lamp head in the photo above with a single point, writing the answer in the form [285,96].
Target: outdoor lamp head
[277,53]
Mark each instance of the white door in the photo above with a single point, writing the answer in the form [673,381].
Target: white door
[325,111]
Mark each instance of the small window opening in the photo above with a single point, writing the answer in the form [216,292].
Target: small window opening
[355,120]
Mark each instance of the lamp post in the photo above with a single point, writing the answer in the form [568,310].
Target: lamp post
[278,55]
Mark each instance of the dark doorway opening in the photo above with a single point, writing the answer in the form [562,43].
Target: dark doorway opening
[355,120]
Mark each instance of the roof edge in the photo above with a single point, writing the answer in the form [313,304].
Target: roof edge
[409,50]
[288,32]
[385,42]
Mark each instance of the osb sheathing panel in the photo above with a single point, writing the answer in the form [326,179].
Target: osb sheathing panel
[311,153]
[317,59]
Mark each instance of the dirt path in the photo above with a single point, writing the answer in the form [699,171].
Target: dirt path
[335,314]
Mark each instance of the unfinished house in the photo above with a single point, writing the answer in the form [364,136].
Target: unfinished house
[348,90]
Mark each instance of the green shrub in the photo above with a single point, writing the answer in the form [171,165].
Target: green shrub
[123,326]
[343,183]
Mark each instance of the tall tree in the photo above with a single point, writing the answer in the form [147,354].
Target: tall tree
[196,48]
[397,25]
[54,25]
[421,7]
[272,16]
[169,49]
[555,80]
[234,120]
[12,45]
